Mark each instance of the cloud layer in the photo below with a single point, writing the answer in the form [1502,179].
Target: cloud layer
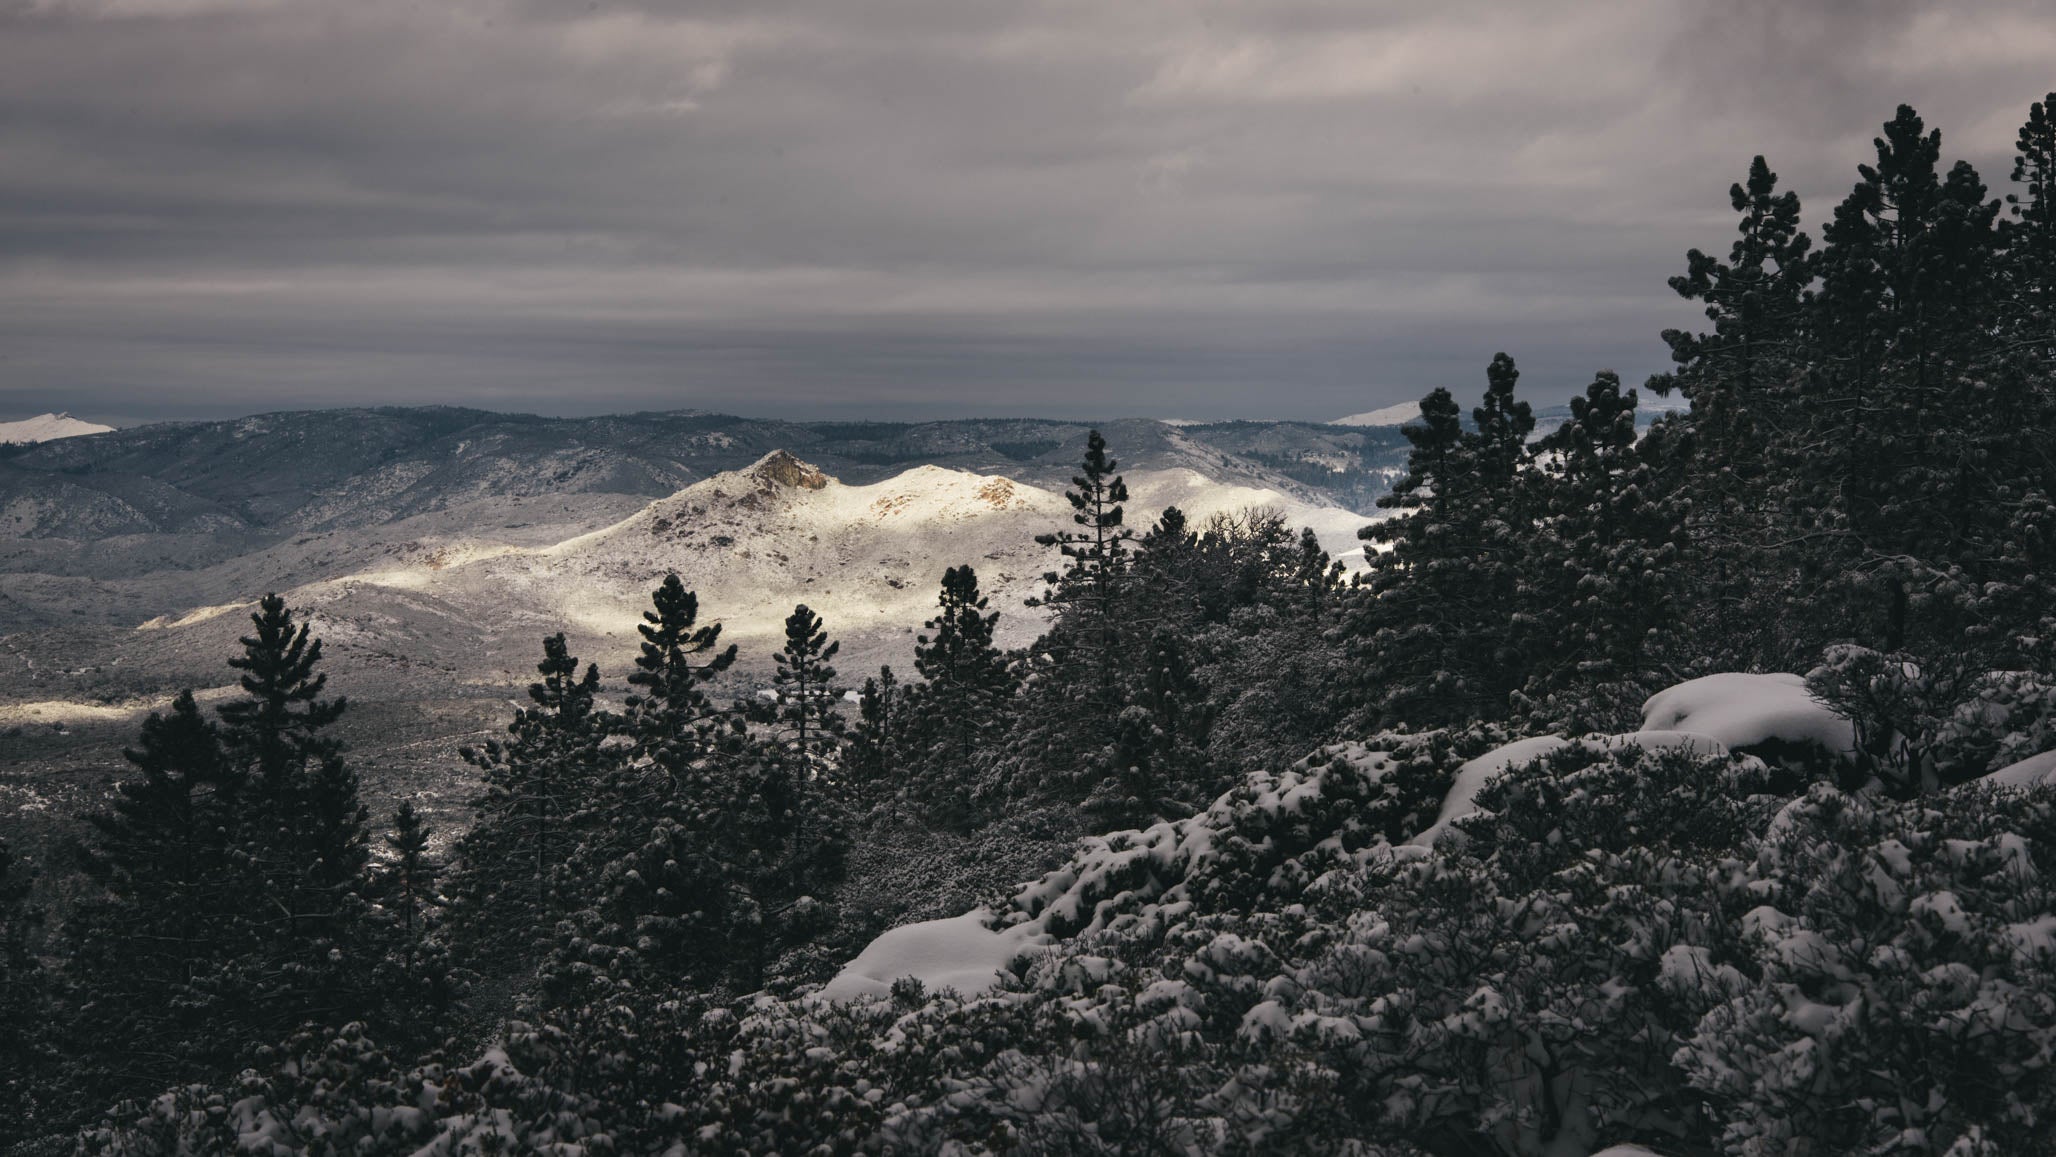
[1289,208]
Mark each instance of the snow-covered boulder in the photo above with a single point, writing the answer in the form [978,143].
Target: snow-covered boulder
[959,953]
[1742,711]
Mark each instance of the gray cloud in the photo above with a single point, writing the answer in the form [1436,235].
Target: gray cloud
[1267,208]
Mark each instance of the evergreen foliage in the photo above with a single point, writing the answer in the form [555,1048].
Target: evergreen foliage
[873,762]
[235,899]
[963,700]
[1090,594]
[33,1101]
[541,799]
[1433,643]
[410,878]
[708,848]
[804,681]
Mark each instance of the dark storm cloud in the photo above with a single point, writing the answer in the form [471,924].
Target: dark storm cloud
[1262,208]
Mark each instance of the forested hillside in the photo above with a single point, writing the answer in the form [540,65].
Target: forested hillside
[1682,785]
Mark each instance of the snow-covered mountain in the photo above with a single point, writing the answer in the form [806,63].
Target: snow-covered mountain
[753,542]
[48,428]
[452,614]
[1398,414]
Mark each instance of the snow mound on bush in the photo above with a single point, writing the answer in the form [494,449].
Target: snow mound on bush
[959,953]
[1472,777]
[2034,771]
[1742,710]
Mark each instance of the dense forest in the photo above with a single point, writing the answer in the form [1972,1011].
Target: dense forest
[1259,921]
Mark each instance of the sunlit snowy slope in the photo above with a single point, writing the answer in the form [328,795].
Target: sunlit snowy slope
[754,542]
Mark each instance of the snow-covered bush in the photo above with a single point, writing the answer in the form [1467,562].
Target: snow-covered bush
[1903,997]
[1919,726]
[1445,943]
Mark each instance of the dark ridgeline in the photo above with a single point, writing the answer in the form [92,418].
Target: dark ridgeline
[1702,951]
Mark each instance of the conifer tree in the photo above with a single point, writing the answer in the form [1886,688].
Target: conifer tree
[541,787]
[709,847]
[672,719]
[963,699]
[806,693]
[1158,764]
[1742,379]
[1165,591]
[277,726]
[1604,561]
[1755,300]
[873,761]
[2029,232]
[1430,624]
[310,843]
[233,901]
[33,1101]
[410,879]
[1503,424]
[177,901]
[1089,595]
[1906,276]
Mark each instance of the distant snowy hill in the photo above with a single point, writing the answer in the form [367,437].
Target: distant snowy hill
[754,542]
[451,605]
[1394,415]
[48,428]
[150,521]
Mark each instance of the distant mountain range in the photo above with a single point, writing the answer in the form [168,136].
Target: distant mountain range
[121,526]
[439,611]
[432,548]
[322,469]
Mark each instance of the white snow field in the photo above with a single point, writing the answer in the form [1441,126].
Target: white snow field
[48,428]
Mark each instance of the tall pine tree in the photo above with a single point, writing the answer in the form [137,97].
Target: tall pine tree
[962,701]
[541,791]
[804,681]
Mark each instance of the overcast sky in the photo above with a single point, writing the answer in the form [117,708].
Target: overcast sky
[914,207]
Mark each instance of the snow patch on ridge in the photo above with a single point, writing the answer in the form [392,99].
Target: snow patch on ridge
[1471,778]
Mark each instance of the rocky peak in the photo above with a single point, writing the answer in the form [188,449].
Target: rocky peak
[780,468]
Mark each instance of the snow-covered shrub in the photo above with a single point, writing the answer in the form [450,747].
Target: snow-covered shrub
[2010,716]
[1904,999]
[1920,726]
[1638,939]
[1271,834]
